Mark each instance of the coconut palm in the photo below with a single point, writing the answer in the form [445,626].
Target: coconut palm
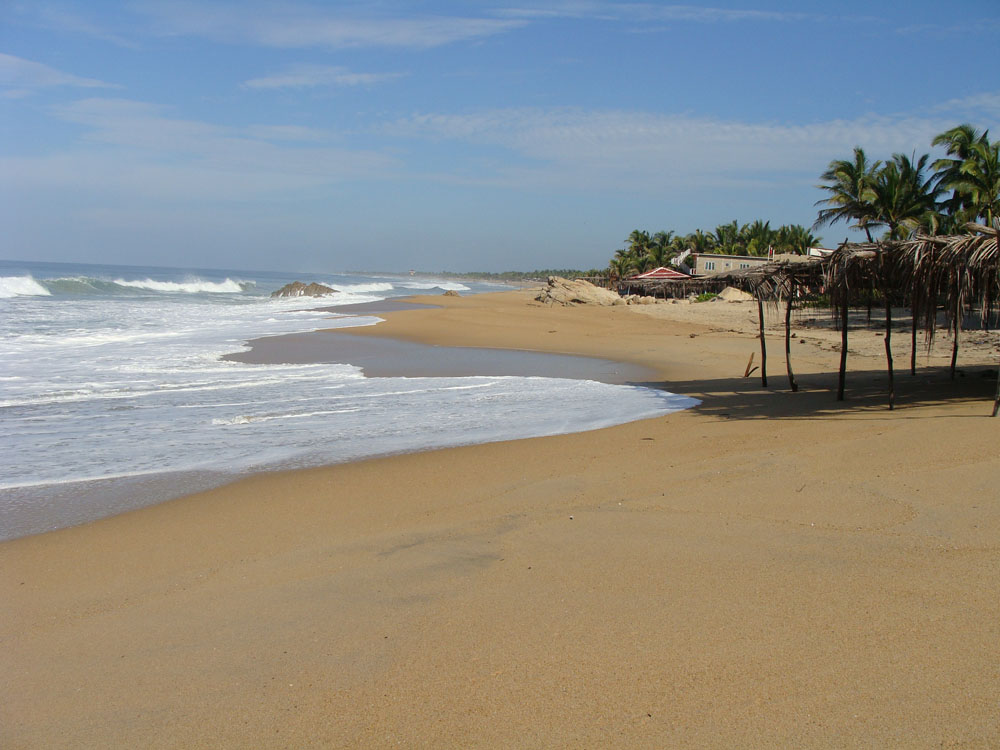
[795,238]
[757,237]
[850,185]
[977,182]
[727,238]
[904,198]
[700,242]
[620,267]
[961,144]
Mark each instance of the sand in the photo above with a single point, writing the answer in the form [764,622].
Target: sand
[768,569]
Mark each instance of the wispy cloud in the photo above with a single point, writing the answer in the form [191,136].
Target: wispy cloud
[648,12]
[313,76]
[985,103]
[143,151]
[26,74]
[298,26]
[575,148]
[57,17]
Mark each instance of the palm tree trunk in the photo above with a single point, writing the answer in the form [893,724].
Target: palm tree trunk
[843,348]
[788,338]
[763,345]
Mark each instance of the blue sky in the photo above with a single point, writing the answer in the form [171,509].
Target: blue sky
[454,136]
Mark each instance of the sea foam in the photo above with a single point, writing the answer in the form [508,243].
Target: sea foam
[194,286]
[21,286]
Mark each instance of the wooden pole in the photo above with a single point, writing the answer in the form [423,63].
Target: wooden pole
[996,401]
[888,349]
[915,311]
[843,347]
[788,338]
[954,342]
[763,344]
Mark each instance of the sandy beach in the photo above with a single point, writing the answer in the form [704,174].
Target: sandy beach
[769,569]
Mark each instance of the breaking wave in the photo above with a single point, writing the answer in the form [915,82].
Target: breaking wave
[21,286]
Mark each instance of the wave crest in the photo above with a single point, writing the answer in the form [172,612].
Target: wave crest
[21,286]
[194,286]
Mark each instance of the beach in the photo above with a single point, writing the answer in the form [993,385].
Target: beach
[765,569]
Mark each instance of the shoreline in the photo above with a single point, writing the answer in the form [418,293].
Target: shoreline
[767,569]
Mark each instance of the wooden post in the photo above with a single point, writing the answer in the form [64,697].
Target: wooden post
[996,401]
[954,342]
[843,347]
[788,337]
[763,345]
[915,311]
[888,348]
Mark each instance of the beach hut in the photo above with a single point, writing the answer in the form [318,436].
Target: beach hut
[661,273]
[960,272]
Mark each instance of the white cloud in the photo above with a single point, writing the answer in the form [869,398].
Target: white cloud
[141,151]
[312,76]
[649,12]
[986,104]
[638,150]
[59,18]
[294,26]
[21,73]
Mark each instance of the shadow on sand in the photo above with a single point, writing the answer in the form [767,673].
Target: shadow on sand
[744,398]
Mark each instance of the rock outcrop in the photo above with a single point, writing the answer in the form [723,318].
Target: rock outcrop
[560,291]
[298,289]
[451,293]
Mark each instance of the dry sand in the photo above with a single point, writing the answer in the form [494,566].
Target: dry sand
[767,570]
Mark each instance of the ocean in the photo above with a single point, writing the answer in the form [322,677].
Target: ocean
[113,393]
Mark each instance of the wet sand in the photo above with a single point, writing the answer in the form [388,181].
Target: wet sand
[766,570]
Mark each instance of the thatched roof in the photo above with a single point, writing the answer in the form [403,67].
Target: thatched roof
[767,282]
[960,271]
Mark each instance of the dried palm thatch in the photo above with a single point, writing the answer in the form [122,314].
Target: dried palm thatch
[768,284]
[958,271]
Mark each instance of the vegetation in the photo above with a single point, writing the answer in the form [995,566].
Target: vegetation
[644,252]
[898,196]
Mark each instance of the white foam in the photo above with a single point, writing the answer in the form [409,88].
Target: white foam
[452,286]
[194,286]
[363,288]
[21,286]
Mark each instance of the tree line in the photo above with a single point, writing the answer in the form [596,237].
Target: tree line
[900,196]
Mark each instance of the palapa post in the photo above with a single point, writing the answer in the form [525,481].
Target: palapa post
[763,344]
[788,336]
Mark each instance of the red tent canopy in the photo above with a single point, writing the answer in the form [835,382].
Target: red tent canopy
[661,273]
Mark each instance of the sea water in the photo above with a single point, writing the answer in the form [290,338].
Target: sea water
[113,393]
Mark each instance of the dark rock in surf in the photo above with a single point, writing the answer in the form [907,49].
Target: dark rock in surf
[298,289]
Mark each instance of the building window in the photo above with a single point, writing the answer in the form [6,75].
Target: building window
[744,265]
[709,265]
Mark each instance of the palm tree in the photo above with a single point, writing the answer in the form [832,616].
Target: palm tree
[903,197]
[757,237]
[727,237]
[700,242]
[850,185]
[620,267]
[961,143]
[659,250]
[976,184]
[795,238]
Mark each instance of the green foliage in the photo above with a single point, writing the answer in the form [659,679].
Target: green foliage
[900,195]
[705,297]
